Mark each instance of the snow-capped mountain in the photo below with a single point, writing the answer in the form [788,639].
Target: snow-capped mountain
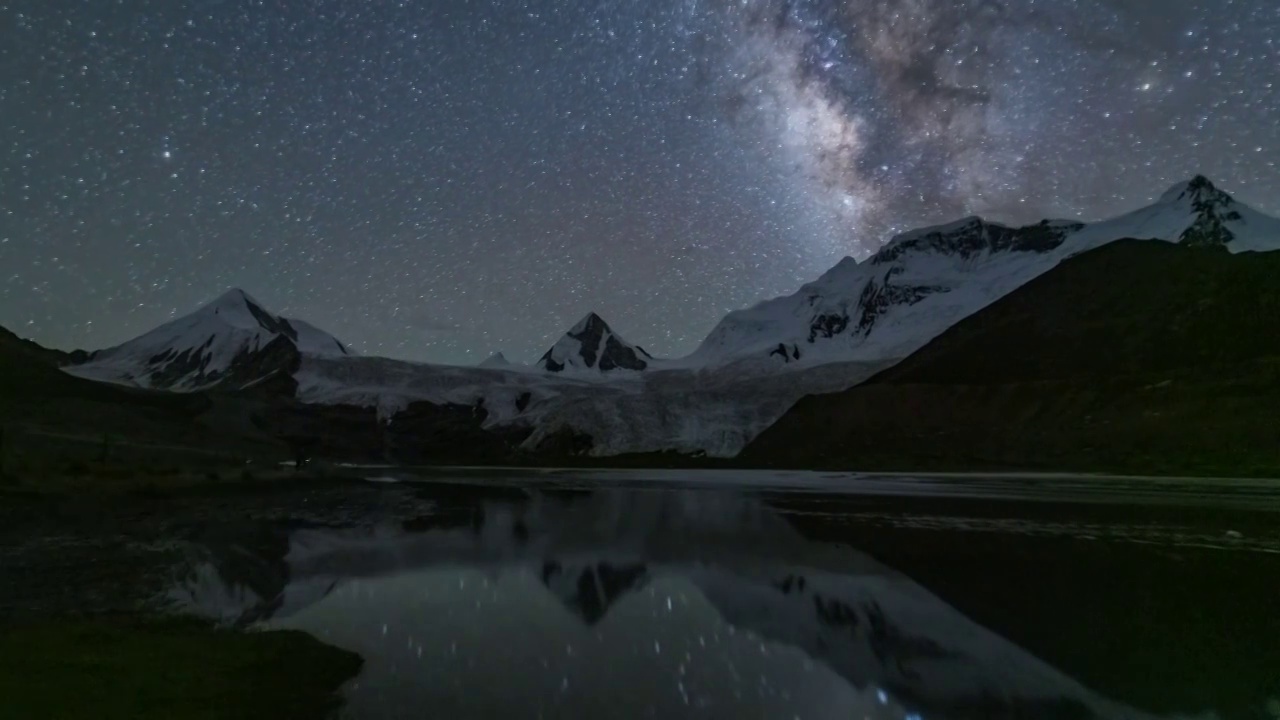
[593,346]
[233,341]
[495,361]
[610,396]
[861,317]
[922,282]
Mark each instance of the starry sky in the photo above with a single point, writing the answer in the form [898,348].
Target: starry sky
[441,179]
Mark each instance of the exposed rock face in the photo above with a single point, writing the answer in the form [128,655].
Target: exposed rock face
[827,325]
[973,236]
[593,345]
[788,353]
[1213,210]
[878,297]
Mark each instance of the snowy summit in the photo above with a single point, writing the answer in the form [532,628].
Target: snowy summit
[232,340]
[592,346]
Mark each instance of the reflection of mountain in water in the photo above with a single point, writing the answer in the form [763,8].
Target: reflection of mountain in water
[867,623]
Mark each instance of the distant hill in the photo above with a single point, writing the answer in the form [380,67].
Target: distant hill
[1133,357]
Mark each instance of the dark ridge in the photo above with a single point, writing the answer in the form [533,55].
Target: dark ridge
[271,323]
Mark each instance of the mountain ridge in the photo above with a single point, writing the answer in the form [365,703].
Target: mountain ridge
[1132,357]
[596,393]
[919,282]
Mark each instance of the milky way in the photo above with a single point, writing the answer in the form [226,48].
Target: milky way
[440,180]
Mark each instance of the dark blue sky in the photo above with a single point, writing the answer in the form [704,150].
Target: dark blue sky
[442,179]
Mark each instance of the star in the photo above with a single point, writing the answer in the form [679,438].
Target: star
[437,181]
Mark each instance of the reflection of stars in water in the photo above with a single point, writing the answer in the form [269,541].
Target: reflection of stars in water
[664,650]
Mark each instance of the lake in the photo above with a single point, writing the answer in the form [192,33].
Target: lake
[661,594]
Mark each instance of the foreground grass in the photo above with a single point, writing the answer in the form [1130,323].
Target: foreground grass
[142,668]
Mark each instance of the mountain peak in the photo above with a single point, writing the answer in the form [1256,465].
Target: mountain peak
[496,360]
[1214,216]
[235,297]
[592,345]
[237,308]
[1200,192]
[1197,190]
[589,320]
[230,340]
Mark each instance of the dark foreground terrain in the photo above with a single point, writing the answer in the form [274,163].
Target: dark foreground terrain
[140,667]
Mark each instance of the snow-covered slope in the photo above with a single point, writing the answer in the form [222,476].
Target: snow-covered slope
[591,346]
[922,282]
[231,341]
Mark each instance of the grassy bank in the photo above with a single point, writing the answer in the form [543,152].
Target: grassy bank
[144,668]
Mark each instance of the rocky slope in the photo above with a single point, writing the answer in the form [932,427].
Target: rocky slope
[1131,357]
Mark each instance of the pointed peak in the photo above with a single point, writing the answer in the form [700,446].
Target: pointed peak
[592,345]
[495,360]
[235,294]
[591,319]
[847,262]
[233,298]
[1197,189]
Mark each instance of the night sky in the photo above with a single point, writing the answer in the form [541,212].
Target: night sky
[440,179]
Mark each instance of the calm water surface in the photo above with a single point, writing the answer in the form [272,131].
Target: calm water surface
[634,595]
